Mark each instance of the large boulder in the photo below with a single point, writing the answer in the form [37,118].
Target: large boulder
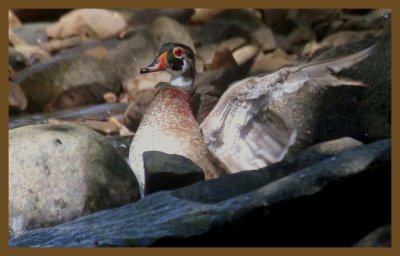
[60,172]
[43,83]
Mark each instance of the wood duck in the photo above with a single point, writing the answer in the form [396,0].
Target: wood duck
[234,136]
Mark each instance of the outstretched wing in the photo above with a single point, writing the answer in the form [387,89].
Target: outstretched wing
[244,134]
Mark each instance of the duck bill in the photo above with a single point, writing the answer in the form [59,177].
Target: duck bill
[158,64]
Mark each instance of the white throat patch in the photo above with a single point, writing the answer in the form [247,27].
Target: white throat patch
[180,81]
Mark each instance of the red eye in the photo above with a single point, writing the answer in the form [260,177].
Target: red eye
[178,52]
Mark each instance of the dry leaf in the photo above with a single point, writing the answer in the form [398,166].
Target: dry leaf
[123,130]
[92,23]
[203,15]
[32,53]
[221,59]
[13,39]
[16,97]
[244,53]
[110,97]
[272,61]
[58,44]
[13,20]
[99,52]
[145,81]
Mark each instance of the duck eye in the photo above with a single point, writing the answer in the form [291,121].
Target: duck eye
[178,52]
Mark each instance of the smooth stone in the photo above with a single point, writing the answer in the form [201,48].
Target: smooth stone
[58,173]
[33,33]
[168,171]
[43,82]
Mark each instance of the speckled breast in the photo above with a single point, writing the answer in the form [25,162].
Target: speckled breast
[169,126]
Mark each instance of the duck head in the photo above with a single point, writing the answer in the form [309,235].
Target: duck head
[178,60]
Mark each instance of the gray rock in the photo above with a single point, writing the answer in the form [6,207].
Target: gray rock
[380,237]
[166,172]
[16,60]
[60,172]
[99,112]
[130,54]
[122,144]
[278,208]
[43,82]
[362,113]
[33,33]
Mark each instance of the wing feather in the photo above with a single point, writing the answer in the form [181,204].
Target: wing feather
[237,131]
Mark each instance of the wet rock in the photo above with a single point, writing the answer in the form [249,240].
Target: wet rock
[167,172]
[308,206]
[33,33]
[381,237]
[60,172]
[240,183]
[42,83]
[100,112]
[359,112]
